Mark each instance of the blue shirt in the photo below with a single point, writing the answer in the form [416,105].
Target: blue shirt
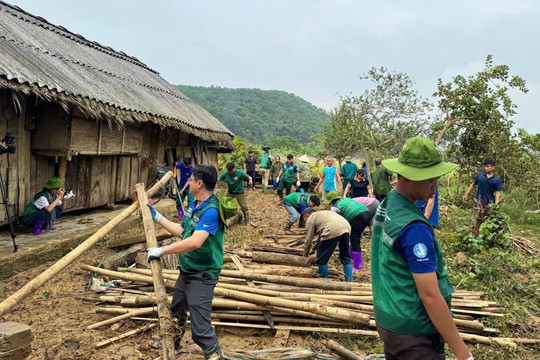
[487,187]
[329,178]
[416,245]
[434,217]
[184,173]
[209,220]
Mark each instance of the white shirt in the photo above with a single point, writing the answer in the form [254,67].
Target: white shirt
[42,202]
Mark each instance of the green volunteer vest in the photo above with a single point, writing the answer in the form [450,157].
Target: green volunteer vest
[305,172]
[264,160]
[31,209]
[296,199]
[209,257]
[348,170]
[397,305]
[349,208]
[288,173]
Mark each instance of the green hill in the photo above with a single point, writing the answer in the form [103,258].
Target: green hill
[260,115]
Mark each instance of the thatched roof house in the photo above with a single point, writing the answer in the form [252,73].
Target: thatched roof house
[78,108]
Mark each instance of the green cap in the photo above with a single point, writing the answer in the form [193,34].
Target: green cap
[419,160]
[348,158]
[331,196]
[53,183]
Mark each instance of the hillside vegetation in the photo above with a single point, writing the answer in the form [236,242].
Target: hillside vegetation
[260,115]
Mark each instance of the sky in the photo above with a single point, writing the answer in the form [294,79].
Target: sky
[313,48]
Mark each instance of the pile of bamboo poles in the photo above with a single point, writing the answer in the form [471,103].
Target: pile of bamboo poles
[275,297]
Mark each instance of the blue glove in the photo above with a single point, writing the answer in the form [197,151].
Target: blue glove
[154,252]
[302,208]
[155,214]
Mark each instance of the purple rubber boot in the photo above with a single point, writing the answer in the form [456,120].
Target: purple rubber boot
[357,259]
[180,213]
[36,229]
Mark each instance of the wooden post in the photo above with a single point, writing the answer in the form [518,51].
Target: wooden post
[62,167]
[164,311]
[100,131]
[45,276]
[112,187]
[340,350]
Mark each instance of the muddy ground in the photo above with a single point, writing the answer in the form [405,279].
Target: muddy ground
[60,311]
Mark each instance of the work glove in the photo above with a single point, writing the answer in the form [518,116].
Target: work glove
[155,214]
[298,183]
[154,253]
[277,179]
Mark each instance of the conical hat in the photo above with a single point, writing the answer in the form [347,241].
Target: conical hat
[304,158]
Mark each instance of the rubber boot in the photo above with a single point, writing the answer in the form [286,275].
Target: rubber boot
[214,353]
[357,259]
[264,189]
[323,271]
[288,227]
[301,222]
[180,213]
[347,269]
[36,229]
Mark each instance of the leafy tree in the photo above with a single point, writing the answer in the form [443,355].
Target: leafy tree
[239,155]
[377,122]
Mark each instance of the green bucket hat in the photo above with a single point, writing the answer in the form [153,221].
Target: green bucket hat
[419,160]
[348,158]
[228,207]
[331,196]
[53,183]
[266,147]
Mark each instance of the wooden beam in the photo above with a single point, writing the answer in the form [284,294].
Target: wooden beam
[100,132]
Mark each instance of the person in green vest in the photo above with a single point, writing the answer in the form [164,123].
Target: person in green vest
[331,230]
[381,177]
[348,171]
[357,214]
[201,260]
[45,207]
[274,171]
[287,175]
[237,190]
[264,167]
[295,204]
[305,173]
[411,290]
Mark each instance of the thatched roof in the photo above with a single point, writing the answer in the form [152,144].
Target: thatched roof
[58,65]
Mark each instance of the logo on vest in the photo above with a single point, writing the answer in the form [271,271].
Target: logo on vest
[420,250]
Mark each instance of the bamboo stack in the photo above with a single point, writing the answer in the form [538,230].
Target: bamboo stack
[251,297]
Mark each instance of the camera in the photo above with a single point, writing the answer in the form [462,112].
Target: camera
[7,144]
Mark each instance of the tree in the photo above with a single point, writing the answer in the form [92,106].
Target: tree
[380,120]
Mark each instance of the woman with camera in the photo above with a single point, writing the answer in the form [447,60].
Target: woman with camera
[45,207]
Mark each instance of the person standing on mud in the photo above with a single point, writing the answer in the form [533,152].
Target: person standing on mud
[201,260]
[234,179]
[489,186]
[250,168]
[264,167]
[348,171]
[185,169]
[381,180]
[287,175]
[411,290]
[274,172]
[328,179]
[305,172]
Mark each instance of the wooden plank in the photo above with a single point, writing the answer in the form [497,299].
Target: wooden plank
[112,185]
[100,132]
[51,129]
[23,162]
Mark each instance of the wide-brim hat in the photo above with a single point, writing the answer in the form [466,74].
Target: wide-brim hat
[53,183]
[331,196]
[266,147]
[419,160]
[348,158]
[304,158]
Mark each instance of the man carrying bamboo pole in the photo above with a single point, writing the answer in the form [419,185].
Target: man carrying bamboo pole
[201,259]
[411,290]
[332,230]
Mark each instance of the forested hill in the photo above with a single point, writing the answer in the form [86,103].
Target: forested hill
[259,115]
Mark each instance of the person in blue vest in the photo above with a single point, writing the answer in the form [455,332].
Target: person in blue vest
[489,186]
[185,169]
[201,259]
[330,178]
[430,208]
[411,291]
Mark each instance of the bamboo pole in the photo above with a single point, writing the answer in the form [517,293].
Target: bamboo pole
[125,335]
[125,276]
[275,258]
[61,264]
[144,311]
[328,311]
[487,340]
[340,350]
[166,326]
[301,328]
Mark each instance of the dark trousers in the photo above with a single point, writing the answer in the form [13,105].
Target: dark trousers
[252,174]
[358,224]
[327,247]
[380,197]
[284,185]
[305,185]
[408,347]
[41,215]
[195,292]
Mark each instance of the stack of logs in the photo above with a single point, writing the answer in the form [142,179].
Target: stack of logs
[274,287]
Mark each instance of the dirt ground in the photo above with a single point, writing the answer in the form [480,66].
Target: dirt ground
[60,311]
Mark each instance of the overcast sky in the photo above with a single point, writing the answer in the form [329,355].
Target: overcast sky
[314,49]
